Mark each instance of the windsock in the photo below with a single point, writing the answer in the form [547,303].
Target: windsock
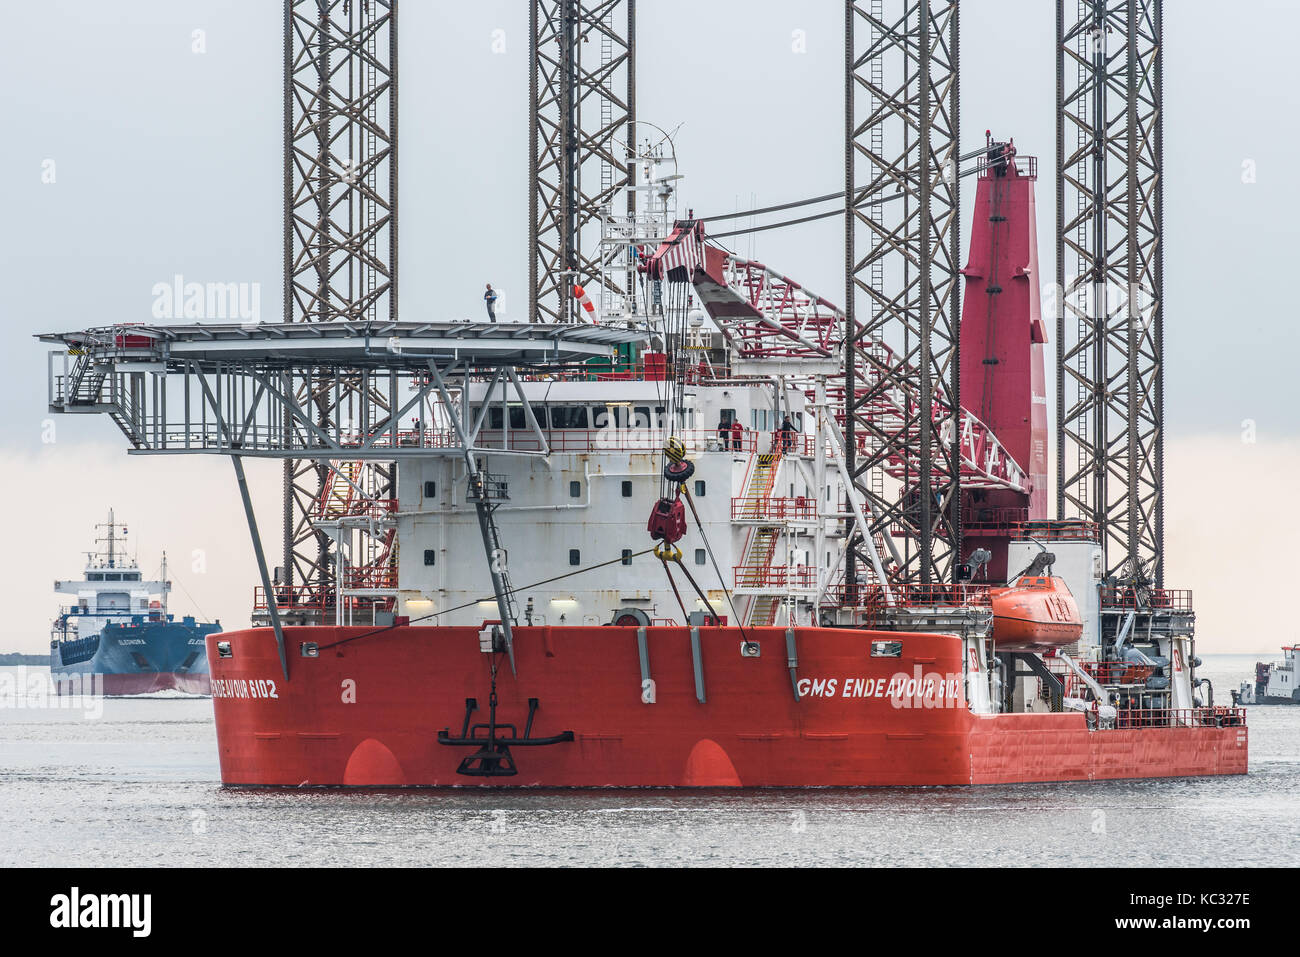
[580,294]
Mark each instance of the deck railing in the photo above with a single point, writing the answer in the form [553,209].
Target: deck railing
[782,576]
[873,597]
[373,578]
[644,440]
[1217,717]
[1154,599]
[312,598]
[800,508]
[1103,672]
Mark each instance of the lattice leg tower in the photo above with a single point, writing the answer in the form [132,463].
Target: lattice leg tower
[581,119]
[1110,400]
[902,247]
[340,228]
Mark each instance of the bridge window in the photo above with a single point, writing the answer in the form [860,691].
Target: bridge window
[627,556]
[699,488]
[610,417]
[112,577]
[627,489]
[569,417]
[575,556]
[95,577]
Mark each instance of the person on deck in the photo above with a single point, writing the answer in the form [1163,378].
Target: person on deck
[737,435]
[787,435]
[490,299]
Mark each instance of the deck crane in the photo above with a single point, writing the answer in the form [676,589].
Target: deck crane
[1001,433]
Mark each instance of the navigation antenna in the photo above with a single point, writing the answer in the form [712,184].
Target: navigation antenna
[111,539]
[628,240]
[166,586]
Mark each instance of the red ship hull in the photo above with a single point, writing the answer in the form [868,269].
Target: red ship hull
[142,683]
[367,713]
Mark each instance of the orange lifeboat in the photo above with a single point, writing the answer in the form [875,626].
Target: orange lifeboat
[1037,613]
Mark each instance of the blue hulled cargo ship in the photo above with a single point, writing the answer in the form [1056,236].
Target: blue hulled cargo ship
[118,638]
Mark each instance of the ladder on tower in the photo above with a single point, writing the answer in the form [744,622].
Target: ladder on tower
[1084,175]
[370,277]
[606,106]
[875,476]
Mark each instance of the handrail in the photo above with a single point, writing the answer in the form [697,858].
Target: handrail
[913,595]
[1216,717]
[774,576]
[778,509]
[312,598]
[1154,599]
[370,577]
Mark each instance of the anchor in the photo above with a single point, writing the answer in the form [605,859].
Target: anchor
[493,758]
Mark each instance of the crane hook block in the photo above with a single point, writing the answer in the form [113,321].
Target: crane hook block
[675,449]
[679,472]
[667,520]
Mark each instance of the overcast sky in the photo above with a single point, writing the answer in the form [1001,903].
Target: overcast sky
[167,161]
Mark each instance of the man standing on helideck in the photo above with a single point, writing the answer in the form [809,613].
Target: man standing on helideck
[490,300]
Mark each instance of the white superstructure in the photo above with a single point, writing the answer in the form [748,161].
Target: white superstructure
[111,588]
[763,506]
[1282,683]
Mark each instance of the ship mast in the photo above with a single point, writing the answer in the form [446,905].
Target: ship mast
[651,213]
[111,539]
[166,586]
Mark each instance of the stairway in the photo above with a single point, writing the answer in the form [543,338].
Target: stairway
[758,557]
[758,488]
[340,493]
[757,565]
[762,612]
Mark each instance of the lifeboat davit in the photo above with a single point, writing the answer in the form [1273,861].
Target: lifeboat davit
[1037,613]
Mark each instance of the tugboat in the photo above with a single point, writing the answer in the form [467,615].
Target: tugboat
[1275,683]
[119,639]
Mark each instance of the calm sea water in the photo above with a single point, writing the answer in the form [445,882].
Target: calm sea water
[139,785]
